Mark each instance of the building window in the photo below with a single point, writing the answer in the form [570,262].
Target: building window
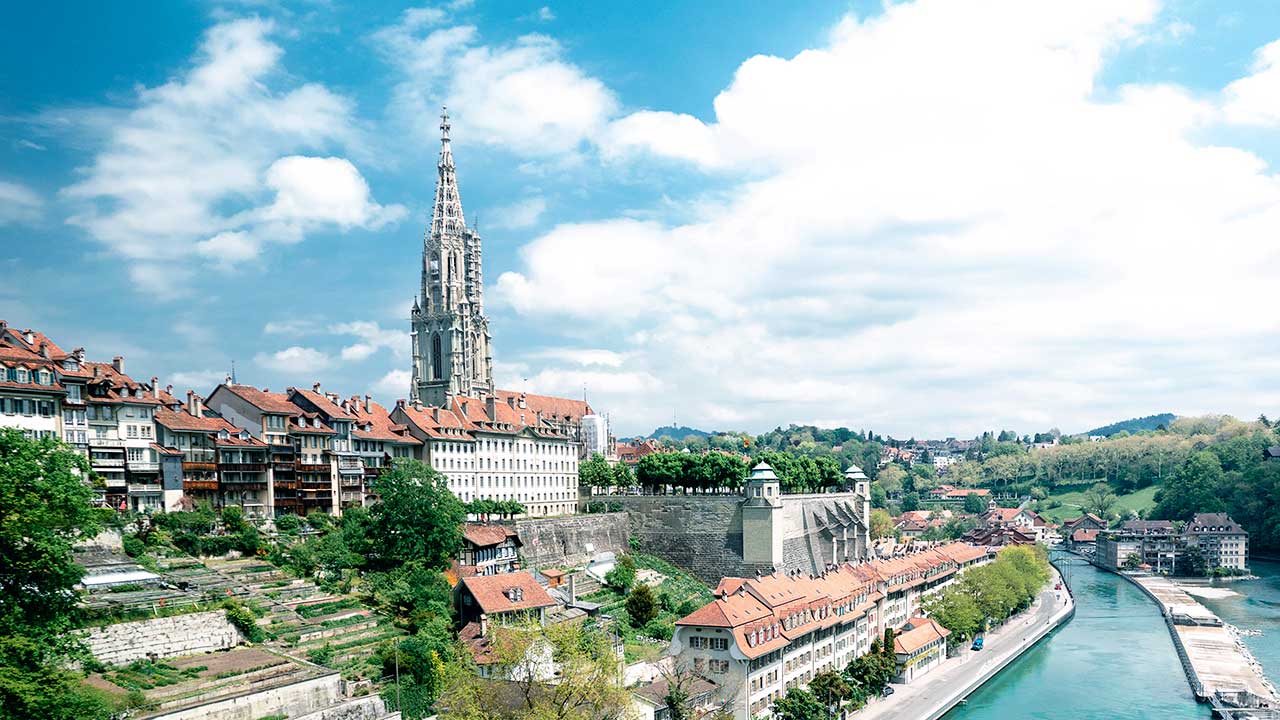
[437,372]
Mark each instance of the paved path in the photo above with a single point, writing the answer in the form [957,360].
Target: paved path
[924,697]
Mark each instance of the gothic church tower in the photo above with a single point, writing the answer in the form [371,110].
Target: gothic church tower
[451,353]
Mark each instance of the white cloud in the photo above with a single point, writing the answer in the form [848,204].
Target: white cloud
[946,224]
[19,204]
[372,337]
[394,385]
[1255,99]
[522,95]
[581,356]
[518,215]
[202,381]
[223,134]
[545,14]
[291,328]
[295,359]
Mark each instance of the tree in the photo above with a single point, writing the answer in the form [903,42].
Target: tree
[588,685]
[288,524]
[831,689]
[718,470]
[879,498]
[416,596]
[595,472]
[1191,489]
[623,477]
[45,507]
[417,518]
[623,574]
[891,477]
[956,611]
[799,704]
[881,524]
[910,501]
[1131,561]
[641,607]
[1099,499]
[974,504]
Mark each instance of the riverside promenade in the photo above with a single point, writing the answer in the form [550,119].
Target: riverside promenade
[933,694]
[1219,667]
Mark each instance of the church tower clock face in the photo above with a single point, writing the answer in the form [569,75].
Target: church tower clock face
[452,355]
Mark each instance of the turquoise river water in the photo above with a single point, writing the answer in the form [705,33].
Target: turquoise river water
[1113,660]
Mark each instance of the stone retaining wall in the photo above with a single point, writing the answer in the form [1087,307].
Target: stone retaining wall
[370,707]
[700,533]
[163,637]
[572,539]
[304,698]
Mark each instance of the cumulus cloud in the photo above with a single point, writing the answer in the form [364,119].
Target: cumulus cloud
[293,360]
[205,166]
[19,204]
[202,381]
[518,215]
[371,338]
[394,385]
[946,223]
[522,95]
[1255,99]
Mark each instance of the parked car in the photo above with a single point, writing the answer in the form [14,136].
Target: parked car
[977,644]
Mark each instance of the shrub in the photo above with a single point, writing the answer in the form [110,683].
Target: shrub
[244,620]
[658,629]
[322,655]
[623,575]
[615,506]
[641,607]
[288,524]
[133,546]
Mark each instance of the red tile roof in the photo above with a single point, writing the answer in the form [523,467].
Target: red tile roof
[551,407]
[323,403]
[277,403]
[181,420]
[490,592]
[1085,535]
[487,535]
[923,631]
[374,423]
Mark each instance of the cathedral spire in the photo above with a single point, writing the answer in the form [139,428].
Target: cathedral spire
[447,214]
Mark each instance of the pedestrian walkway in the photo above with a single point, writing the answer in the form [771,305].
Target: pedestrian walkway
[934,694]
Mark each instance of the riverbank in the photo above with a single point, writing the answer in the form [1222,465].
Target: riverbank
[1218,664]
[934,694]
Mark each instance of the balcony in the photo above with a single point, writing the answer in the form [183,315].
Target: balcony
[116,483]
[348,483]
[136,488]
[199,466]
[283,450]
[143,466]
[113,462]
[284,484]
[199,484]
[313,468]
[106,442]
[244,467]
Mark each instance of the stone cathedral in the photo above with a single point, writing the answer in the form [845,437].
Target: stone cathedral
[451,344]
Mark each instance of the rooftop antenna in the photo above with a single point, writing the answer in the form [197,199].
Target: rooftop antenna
[233,372]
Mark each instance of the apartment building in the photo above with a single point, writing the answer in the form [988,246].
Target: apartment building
[497,449]
[203,442]
[379,441]
[122,441]
[1223,543]
[348,466]
[762,636]
[31,389]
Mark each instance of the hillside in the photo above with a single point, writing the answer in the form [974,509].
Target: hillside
[678,432]
[1133,425]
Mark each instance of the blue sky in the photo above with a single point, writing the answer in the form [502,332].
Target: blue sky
[926,218]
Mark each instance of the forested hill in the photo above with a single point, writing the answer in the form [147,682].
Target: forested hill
[1135,425]
[678,432]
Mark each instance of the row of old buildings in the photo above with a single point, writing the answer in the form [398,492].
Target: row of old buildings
[762,636]
[293,451]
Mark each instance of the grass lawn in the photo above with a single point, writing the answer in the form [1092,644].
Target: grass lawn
[1072,497]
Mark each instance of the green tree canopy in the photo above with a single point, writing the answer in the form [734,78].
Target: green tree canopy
[417,519]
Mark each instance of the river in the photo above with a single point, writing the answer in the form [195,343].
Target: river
[1113,660]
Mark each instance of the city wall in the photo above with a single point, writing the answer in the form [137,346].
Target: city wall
[163,637]
[571,540]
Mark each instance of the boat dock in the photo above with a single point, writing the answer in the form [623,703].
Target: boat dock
[1219,667]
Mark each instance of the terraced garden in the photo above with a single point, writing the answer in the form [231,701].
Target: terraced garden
[678,594]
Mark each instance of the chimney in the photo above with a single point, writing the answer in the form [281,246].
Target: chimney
[511,401]
[117,362]
[193,406]
[400,403]
[573,587]
[97,371]
[464,407]
[3,327]
[484,625]
[523,405]
[155,386]
[491,406]
[29,336]
[435,414]
[168,389]
[368,407]
[315,387]
[44,350]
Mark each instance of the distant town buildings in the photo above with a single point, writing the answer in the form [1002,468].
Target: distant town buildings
[1160,546]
